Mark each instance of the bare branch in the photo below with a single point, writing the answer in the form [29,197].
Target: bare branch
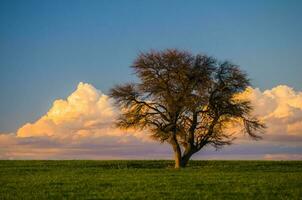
[185,100]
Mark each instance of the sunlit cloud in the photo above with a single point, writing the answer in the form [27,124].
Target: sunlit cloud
[281,110]
[283,156]
[82,127]
[87,112]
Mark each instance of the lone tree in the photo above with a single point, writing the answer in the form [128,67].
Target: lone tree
[185,100]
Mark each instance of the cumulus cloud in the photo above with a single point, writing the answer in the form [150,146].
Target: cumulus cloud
[87,112]
[81,127]
[281,110]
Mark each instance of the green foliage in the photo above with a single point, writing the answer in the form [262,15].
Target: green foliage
[150,180]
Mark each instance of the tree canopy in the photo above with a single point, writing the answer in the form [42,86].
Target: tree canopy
[186,100]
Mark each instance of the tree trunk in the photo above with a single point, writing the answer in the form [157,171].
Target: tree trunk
[185,158]
[181,161]
[177,157]
[177,154]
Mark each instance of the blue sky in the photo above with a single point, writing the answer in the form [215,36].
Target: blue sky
[48,47]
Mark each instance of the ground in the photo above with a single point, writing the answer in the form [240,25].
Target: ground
[150,180]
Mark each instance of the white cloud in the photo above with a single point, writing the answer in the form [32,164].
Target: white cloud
[87,112]
[281,110]
[81,127]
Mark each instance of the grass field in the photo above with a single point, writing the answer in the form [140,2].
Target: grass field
[150,180]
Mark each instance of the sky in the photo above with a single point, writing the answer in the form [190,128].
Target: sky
[50,50]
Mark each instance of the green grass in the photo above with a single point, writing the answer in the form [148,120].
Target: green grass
[150,180]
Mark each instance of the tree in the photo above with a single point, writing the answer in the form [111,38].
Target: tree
[185,100]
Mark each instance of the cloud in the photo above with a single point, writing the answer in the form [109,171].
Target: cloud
[87,112]
[105,147]
[283,156]
[81,127]
[281,110]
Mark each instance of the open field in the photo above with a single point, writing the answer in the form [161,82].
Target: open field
[150,180]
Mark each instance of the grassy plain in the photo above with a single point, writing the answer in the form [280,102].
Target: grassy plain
[150,180]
